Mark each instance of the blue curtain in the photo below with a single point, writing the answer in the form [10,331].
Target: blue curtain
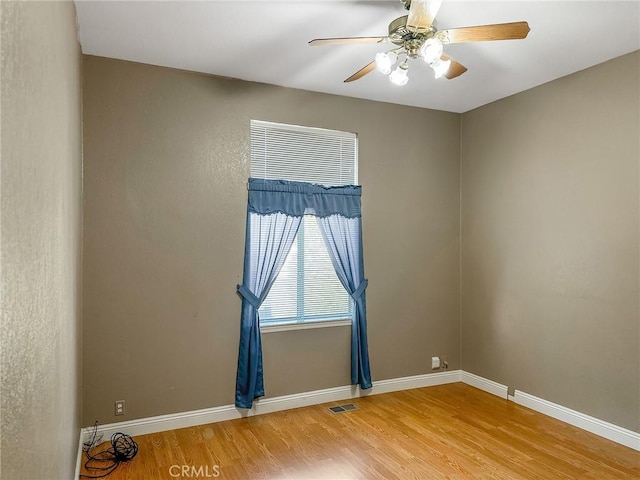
[268,240]
[343,238]
[274,212]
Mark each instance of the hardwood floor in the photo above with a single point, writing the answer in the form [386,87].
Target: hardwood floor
[446,432]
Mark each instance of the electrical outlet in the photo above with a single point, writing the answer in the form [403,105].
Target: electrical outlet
[435,363]
[119,407]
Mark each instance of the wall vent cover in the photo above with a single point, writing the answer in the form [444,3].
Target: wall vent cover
[349,407]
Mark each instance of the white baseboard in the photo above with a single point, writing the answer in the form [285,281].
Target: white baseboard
[416,381]
[599,427]
[484,384]
[79,455]
[193,418]
[604,429]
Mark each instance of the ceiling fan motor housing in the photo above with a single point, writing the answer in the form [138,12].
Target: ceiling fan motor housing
[400,35]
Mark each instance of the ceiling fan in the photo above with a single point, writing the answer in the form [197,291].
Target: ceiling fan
[415,36]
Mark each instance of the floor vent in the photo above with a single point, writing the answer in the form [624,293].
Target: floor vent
[349,407]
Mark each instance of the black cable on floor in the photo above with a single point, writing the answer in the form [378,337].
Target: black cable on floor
[123,448]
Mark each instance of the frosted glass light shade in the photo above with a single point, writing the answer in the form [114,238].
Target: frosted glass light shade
[384,61]
[440,67]
[399,76]
[431,50]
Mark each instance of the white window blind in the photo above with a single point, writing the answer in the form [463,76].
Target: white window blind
[303,154]
[307,288]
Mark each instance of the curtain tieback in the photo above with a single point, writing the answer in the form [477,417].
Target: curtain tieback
[360,290]
[249,296]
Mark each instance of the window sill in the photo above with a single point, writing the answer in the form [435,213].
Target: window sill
[304,325]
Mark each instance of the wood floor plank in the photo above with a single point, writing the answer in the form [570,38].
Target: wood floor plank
[451,432]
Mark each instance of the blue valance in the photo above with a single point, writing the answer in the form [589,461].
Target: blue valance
[299,198]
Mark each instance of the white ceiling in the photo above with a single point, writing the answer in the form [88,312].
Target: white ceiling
[266,41]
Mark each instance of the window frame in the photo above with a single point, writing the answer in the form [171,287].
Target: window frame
[279,325]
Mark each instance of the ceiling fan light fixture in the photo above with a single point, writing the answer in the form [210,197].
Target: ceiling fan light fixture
[440,67]
[385,60]
[431,50]
[399,76]
[416,36]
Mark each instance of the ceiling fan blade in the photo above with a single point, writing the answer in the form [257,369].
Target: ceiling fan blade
[421,14]
[346,40]
[455,69]
[483,33]
[362,72]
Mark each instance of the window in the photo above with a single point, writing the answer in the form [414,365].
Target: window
[307,288]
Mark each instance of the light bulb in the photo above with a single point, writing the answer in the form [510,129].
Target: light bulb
[384,61]
[440,67]
[399,75]
[431,50]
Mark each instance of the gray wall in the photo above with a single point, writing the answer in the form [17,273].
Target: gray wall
[40,239]
[166,164]
[550,214]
